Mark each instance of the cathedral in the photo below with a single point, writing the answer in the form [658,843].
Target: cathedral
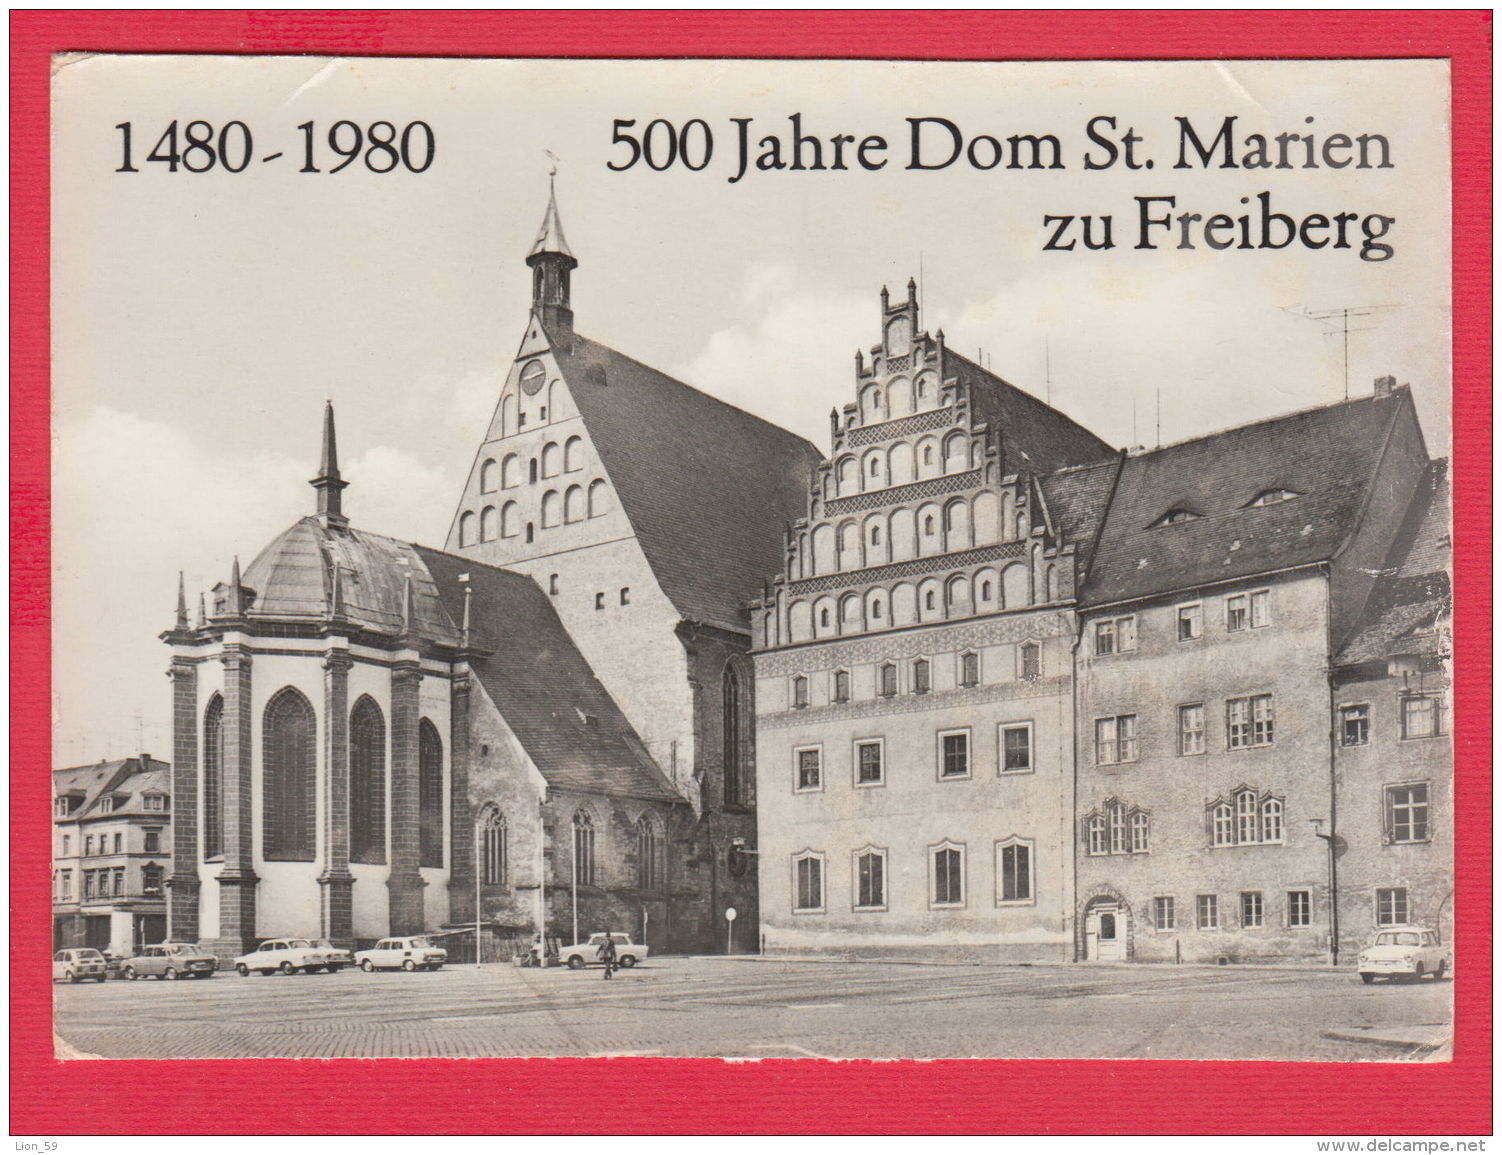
[974,681]
[552,717]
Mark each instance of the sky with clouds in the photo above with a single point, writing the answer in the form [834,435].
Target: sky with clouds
[200,320]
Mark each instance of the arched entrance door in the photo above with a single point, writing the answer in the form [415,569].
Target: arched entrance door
[1105,938]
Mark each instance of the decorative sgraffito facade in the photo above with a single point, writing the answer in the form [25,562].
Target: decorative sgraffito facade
[914,675]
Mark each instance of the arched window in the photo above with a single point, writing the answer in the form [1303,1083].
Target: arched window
[367,783]
[1095,834]
[511,472]
[1246,816]
[922,682]
[1222,825]
[969,669]
[599,498]
[488,476]
[737,735]
[573,504]
[489,524]
[1272,820]
[552,459]
[509,422]
[510,519]
[213,770]
[1116,817]
[552,508]
[573,454]
[841,686]
[584,849]
[468,524]
[1140,827]
[648,868]
[429,795]
[289,762]
[493,847]
[1030,657]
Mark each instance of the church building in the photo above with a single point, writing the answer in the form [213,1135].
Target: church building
[553,717]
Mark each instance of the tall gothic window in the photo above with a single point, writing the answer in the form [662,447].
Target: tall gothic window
[213,778]
[648,856]
[584,850]
[429,795]
[367,783]
[493,847]
[737,735]
[289,777]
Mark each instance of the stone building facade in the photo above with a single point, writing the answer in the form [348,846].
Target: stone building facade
[914,671]
[112,847]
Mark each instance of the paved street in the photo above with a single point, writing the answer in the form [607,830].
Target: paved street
[755,1009]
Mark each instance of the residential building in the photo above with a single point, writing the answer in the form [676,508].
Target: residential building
[112,847]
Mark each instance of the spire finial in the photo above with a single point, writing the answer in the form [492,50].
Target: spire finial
[464,629]
[409,613]
[203,613]
[235,605]
[328,483]
[336,595]
[182,602]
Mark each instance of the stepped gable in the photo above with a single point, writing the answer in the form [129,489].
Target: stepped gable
[1077,500]
[708,488]
[1035,437]
[1326,456]
[542,686]
[1416,590]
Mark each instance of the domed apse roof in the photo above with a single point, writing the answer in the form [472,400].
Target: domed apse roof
[293,579]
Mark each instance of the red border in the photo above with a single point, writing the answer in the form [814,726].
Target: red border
[646,1096]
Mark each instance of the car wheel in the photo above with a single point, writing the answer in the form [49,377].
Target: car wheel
[409,965]
[130,973]
[575,962]
[1418,971]
[101,978]
[628,960]
[170,974]
[366,965]
[287,968]
[242,970]
[70,976]
[1439,971]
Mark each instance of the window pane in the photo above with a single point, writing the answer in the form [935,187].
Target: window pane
[1017,752]
[1209,911]
[808,769]
[956,755]
[870,762]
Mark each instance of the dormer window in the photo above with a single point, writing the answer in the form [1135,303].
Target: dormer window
[1176,516]
[154,802]
[1271,497]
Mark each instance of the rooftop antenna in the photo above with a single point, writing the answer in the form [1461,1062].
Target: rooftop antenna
[1337,323]
[552,156]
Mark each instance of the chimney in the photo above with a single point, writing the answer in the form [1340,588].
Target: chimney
[1383,386]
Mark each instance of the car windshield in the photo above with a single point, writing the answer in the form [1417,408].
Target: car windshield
[89,955]
[298,942]
[421,942]
[1398,938]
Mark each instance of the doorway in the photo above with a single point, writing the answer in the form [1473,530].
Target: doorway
[1104,938]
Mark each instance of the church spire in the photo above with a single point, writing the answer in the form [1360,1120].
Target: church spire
[551,261]
[328,483]
[182,602]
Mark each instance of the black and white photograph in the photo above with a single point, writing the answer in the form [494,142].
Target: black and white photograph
[751,560]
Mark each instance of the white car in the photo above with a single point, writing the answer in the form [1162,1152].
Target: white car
[73,966]
[585,954]
[289,955]
[1403,952]
[415,952]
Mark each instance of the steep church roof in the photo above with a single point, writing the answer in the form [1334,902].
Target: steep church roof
[708,488]
[542,685]
[1187,515]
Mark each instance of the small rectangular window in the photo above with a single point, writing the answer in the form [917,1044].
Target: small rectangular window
[1300,909]
[922,683]
[841,686]
[1207,907]
[625,595]
[153,842]
[1408,812]
[1249,722]
[800,692]
[599,601]
[969,669]
[1355,725]
[868,764]
[1116,635]
[1236,613]
[1392,906]
[1423,716]
[954,754]
[1016,747]
[1116,739]
[1251,908]
[1192,729]
[888,680]
[809,774]
[120,843]
[1191,622]
[1163,913]
[1262,609]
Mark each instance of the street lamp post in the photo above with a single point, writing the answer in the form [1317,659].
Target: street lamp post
[1329,838]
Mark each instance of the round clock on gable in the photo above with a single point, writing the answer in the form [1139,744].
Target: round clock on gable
[533,376]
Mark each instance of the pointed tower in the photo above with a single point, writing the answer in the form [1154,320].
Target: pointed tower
[328,483]
[551,263]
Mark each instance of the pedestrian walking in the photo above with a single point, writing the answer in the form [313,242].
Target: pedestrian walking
[606,954]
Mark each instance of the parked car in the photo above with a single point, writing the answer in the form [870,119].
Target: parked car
[341,957]
[171,960]
[1403,952]
[287,956]
[583,954]
[415,952]
[78,964]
